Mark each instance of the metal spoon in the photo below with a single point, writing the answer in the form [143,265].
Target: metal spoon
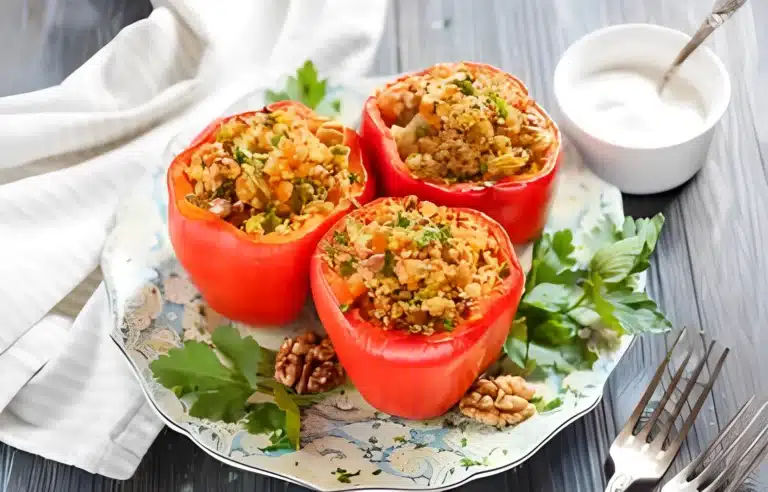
[721,12]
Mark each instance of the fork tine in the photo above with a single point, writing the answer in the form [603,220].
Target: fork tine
[711,449]
[746,470]
[675,445]
[629,427]
[646,430]
[737,469]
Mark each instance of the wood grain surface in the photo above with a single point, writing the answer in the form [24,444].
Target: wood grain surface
[709,272]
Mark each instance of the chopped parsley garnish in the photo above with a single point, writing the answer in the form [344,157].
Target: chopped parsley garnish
[343,475]
[339,150]
[500,103]
[344,308]
[402,220]
[275,140]
[330,251]
[225,190]
[463,442]
[433,234]
[354,178]
[448,324]
[240,156]
[341,238]
[465,86]
[347,268]
[389,264]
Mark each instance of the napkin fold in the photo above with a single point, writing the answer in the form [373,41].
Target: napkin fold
[70,151]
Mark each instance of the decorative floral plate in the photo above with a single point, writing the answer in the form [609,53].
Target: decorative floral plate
[157,308]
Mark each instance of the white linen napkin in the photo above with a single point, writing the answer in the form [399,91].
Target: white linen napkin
[70,151]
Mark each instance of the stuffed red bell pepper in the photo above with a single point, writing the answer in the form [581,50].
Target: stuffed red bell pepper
[466,135]
[417,300]
[250,199]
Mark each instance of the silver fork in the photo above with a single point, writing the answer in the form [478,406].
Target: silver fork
[727,462]
[637,458]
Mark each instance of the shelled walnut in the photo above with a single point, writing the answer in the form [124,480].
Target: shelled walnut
[308,364]
[501,401]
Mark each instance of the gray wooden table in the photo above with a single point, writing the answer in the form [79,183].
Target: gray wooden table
[709,271]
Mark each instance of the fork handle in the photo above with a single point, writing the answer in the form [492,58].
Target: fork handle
[619,482]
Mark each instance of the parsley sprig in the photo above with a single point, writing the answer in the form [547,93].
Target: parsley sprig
[571,311]
[221,379]
[308,88]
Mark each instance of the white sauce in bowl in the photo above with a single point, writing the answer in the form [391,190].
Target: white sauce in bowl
[623,106]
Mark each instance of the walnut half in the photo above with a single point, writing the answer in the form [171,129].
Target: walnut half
[308,364]
[500,401]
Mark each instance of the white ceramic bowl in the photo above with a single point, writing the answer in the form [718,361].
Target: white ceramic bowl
[641,169]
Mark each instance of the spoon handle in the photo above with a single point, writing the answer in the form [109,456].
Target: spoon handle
[721,12]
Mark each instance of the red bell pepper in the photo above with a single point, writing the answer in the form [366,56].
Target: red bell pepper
[412,375]
[257,280]
[521,206]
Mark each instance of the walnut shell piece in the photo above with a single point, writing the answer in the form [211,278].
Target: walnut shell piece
[308,364]
[500,401]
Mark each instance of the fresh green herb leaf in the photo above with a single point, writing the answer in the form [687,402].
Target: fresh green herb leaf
[552,298]
[603,233]
[344,308]
[305,87]
[265,418]
[448,324]
[629,255]
[354,178]
[341,238]
[389,264]
[195,367]
[399,439]
[275,140]
[278,441]
[336,105]
[543,407]
[516,346]
[463,442]
[347,268]
[558,329]
[243,352]
[626,311]
[292,414]
[553,260]
[226,404]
